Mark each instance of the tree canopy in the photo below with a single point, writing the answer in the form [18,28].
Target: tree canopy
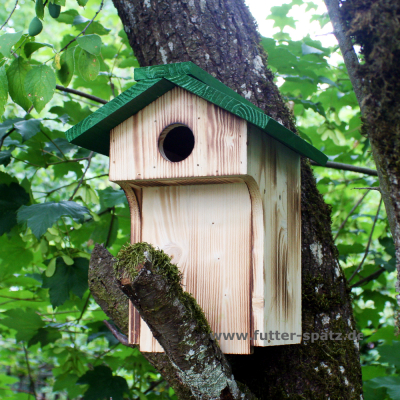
[60,60]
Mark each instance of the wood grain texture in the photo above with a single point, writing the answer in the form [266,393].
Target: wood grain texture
[276,171]
[220,140]
[207,231]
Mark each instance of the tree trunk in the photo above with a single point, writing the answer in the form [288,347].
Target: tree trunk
[375,26]
[220,36]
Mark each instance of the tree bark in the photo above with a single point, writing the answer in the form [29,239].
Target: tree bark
[375,26]
[220,36]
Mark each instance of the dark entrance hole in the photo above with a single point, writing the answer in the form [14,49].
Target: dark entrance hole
[176,142]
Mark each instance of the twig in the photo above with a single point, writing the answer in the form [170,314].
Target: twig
[32,383]
[368,244]
[86,27]
[69,161]
[154,385]
[82,94]
[6,135]
[110,228]
[369,188]
[84,308]
[83,176]
[58,148]
[78,98]
[369,278]
[348,216]
[118,335]
[347,167]
[12,12]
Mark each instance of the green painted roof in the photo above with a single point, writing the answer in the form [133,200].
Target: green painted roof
[93,132]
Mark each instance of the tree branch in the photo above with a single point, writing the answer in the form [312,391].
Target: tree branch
[82,94]
[369,278]
[347,167]
[83,176]
[12,12]
[196,358]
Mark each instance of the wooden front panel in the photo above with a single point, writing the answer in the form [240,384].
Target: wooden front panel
[219,149]
[207,231]
[276,170]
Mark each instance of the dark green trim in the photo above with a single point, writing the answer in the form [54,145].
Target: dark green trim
[93,132]
[188,68]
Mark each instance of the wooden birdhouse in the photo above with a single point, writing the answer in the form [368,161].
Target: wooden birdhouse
[215,183]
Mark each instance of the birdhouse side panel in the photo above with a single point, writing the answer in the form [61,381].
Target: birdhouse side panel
[219,140]
[277,283]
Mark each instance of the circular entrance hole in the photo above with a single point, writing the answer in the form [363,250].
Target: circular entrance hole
[176,142]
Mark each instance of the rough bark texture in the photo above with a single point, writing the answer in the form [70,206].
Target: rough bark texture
[375,26]
[221,37]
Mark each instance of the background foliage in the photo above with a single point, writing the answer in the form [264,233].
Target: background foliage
[56,201]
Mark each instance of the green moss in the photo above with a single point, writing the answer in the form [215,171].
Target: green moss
[132,257]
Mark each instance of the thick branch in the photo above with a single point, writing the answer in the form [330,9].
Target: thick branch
[168,311]
[107,292]
[82,94]
[347,167]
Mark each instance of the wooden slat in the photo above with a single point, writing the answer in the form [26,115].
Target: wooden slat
[271,164]
[136,233]
[220,141]
[207,231]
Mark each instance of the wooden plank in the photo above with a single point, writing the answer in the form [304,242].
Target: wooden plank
[136,233]
[271,164]
[220,141]
[207,231]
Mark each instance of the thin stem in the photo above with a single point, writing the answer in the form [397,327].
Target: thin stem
[368,244]
[52,141]
[86,27]
[82,94]
[12,12]
[85,306]
[110,228]
[83,176]
[369,278]
[6,135]
[69,161]
[348,216]
[32,383]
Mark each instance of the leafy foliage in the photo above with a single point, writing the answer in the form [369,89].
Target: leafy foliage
[48,186]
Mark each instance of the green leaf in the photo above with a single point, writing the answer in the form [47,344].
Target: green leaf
[111,198]
[40,84]
[67,61]
[40,217]
[80,23]
[67,17]
[45,336]
[391,383]
[90,43]
[16,256]
[102,384]
[39,9]
[16,74]
[26,323]
[67,381]
[386,333]
[66,279]
[5,157]
[27,128]
[82,3]
[7,41]
[31,47]
[12,197]
[74,111]
[310,50]
[390,353]
[373,371]
[279,15]
[3,89]
[59,2]
[88,65]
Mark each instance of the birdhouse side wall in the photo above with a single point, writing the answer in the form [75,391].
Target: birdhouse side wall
[219,148]
[274,185]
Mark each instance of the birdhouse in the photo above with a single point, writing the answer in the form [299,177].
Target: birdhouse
[215,183]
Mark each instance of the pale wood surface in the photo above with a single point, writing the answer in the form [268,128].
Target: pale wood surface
[276,171]
[207,231]
[220,140]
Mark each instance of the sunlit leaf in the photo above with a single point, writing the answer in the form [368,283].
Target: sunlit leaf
[7,41]
[40,84]
[16,74]
[90,43]
[88,65]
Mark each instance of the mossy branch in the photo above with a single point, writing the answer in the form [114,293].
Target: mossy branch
[195,362]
